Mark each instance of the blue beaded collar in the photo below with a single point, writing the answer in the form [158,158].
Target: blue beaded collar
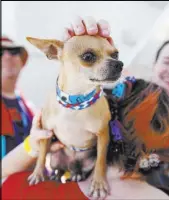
[77,102]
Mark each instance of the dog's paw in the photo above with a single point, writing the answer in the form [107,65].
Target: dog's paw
[36,177]
[98,189]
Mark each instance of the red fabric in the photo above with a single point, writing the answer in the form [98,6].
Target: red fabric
[6,122]
[16,187]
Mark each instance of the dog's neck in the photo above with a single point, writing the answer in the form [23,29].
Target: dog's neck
[74,93]
[73,84]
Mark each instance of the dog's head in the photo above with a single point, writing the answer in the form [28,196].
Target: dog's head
[92,58]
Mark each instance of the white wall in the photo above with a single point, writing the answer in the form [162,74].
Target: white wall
[8,18]
[130,22]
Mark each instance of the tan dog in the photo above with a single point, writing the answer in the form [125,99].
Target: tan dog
[87,62]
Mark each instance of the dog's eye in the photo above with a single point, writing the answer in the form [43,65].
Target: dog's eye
[88,57]
[115,55]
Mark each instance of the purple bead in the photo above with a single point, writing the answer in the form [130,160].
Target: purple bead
[115,130]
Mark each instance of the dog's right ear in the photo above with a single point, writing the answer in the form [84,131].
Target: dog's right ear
[52,48]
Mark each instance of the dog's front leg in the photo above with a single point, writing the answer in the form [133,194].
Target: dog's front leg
[99,187]
[38,173]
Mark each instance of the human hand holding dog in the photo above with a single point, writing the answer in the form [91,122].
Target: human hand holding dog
[88,26]
[11,164]
[38,134]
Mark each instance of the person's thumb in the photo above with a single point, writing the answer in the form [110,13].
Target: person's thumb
[44,134]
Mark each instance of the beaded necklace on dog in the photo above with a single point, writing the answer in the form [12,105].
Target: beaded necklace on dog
[119,92]
[77,102]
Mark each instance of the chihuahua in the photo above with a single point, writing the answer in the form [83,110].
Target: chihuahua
[77,111]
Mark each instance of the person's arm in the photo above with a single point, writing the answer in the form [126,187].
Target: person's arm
[18,159]
[15,161]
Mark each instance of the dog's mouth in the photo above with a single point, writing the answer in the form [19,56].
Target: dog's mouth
[107,80]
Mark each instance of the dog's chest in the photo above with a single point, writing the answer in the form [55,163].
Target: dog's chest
[75,127]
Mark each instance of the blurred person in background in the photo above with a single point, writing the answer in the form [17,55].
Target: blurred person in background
[16,112]
[161,66]
[160,178]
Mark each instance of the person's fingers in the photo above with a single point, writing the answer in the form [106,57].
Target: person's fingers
[71,31]
[68,33]
[90,25]
[104,28]
[78,26]
[41,134]
[36,123]
[56,146]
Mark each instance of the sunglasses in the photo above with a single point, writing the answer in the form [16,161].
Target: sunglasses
[13,51]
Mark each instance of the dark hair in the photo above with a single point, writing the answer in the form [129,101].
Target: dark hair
[160,49]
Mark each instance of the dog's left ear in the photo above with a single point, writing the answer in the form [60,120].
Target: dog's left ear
[52,48]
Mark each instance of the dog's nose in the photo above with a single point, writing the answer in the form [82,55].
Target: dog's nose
[119,66]
[116,65]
